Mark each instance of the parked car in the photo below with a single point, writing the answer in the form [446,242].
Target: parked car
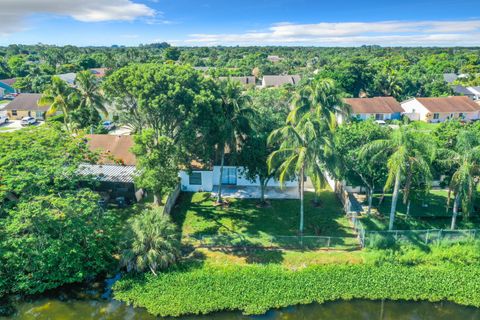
[3,119]
[380,122]
[26,121]
[108,125]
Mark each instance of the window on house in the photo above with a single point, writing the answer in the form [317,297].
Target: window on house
[436,116]
[195,179]
[379,116]
[14,112]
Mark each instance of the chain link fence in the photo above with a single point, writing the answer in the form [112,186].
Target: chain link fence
[421,237]
[275,242]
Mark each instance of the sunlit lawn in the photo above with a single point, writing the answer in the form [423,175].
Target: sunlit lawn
[429,212]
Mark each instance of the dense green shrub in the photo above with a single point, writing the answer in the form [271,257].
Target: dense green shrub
[255,289]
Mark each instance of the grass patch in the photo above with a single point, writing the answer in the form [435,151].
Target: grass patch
[427,213]
[196,215]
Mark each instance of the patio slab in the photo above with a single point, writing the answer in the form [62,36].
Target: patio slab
[240,192]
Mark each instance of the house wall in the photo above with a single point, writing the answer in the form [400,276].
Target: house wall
[386,116]
[40,115]
[211,179]
[414,110]
[207,181]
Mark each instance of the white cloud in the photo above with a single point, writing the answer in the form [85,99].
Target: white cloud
[387,33]
[14,12]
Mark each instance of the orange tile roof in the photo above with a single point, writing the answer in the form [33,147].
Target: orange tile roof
[113,149]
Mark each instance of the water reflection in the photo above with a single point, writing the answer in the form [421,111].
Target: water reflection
[44,309]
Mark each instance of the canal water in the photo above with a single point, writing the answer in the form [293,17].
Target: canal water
[83,309]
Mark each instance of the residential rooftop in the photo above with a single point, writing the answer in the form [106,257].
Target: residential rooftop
[374,105]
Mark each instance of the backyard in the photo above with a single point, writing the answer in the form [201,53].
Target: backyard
[427,212]
[274,225]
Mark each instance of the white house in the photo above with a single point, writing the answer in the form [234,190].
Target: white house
[379,108]
[207,180]
[441,109]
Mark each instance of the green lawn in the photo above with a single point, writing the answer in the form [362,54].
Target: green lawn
[425,125]
[197,216]
[429,213]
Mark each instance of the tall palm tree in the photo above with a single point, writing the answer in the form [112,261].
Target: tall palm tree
[234,121]
[90,97]
[297,156]
[306,139]
[409,151]
[59,96]
[154,243]
[465,159]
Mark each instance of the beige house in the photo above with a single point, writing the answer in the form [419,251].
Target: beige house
[26,105]
[441,109]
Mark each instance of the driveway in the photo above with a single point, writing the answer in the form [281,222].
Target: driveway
[14,125]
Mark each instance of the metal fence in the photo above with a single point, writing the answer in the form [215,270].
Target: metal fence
[421,236]
[275,242]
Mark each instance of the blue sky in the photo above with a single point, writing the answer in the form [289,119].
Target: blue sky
[246,22]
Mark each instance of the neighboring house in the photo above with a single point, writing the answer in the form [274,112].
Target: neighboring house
[203,69]
[247,80]
[475,91]
[451,77]
[379,108]
[277,81]
[274,59]
[68,77]
[7,85]
[115,169]
[26,105]
[441,109]
[99,72]
[2,92]
[463,91]
[71,76]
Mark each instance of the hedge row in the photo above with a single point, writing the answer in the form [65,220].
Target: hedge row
[255,289]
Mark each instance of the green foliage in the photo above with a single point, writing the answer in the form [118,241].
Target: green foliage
[255,289]
[55,239]
[157,163]
[38,161]
[52,232]
[154,243]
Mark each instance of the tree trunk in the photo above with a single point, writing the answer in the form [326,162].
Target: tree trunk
[408,207]
[455,211]
[157,199]
[301,189]
[396,189]
[263,186]
[370,199]
[222,162]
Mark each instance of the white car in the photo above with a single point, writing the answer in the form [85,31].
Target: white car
[380,122]
[28,121]
[108,125]
[3,119]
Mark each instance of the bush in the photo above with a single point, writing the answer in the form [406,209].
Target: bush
[379,241]
[154,243]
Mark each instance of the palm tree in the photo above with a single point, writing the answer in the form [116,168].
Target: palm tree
[59,96]
[465,159]
[306,139]
[234,121]
[154,244]
[409,151]
[90,98]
